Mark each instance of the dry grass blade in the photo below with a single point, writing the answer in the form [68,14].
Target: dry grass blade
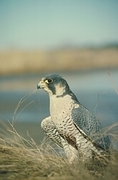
[21,101]
[24,159]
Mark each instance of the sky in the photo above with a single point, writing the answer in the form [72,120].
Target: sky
[47,24]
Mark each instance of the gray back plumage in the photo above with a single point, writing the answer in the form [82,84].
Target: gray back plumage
[91,126]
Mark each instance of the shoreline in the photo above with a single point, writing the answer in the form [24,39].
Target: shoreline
[23,62]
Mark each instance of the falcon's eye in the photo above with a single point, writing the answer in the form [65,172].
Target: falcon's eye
[48,81]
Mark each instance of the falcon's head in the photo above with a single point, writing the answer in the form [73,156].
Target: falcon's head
[54,84]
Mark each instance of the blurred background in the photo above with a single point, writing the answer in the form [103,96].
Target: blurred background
[76,39]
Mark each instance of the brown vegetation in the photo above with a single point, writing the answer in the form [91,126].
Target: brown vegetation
[21,158]
[14,62]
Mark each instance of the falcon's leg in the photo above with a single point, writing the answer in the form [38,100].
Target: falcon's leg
[86,147]
[50,129]
[83,149]
[70,151]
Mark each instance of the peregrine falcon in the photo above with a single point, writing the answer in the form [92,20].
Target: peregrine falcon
[70,124]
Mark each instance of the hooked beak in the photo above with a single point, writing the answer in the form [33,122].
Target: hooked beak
[38,86]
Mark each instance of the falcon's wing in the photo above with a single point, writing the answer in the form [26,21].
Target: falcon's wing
[90,126]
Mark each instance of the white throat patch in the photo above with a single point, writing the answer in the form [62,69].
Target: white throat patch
[60,90]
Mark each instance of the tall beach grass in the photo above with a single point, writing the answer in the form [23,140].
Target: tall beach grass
[22,158]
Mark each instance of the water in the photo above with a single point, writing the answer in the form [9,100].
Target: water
[94,89]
